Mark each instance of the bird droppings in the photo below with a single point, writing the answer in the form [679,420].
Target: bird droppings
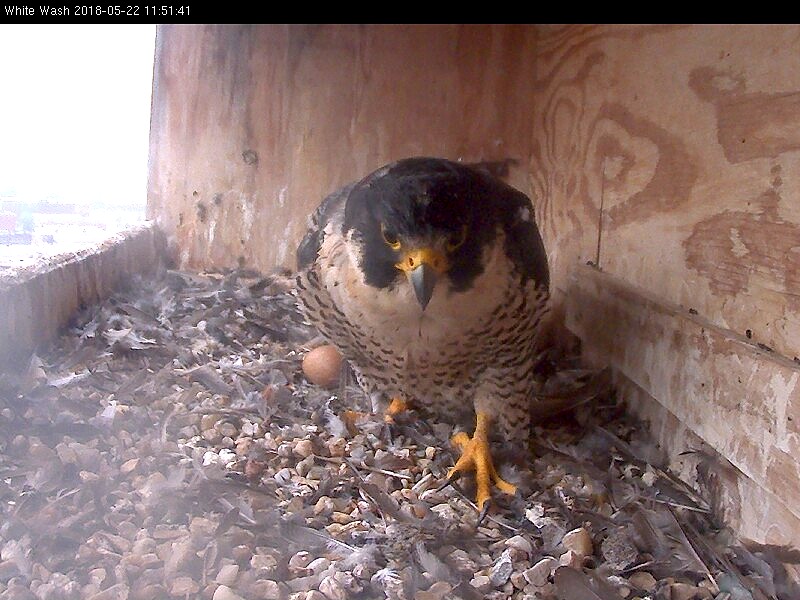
[169,446]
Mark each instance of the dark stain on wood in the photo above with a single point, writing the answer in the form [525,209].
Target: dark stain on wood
[736,249]
[749,126]
[675,173]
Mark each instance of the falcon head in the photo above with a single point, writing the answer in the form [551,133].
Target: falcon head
[425,222]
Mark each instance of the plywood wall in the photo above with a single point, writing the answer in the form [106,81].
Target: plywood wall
[253,125]
[689,139]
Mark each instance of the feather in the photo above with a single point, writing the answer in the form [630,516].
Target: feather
[436,569]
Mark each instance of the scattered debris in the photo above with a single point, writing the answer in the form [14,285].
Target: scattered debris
[170,446]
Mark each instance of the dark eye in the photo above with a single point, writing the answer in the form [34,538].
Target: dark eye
[456,240]
[390,238]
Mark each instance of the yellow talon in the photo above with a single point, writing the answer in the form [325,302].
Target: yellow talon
[476,456]
[397,406]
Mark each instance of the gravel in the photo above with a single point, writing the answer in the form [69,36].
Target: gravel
[168,446]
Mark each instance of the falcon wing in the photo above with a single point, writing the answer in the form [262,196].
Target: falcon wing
[331,206]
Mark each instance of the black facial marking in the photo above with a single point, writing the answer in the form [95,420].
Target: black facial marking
[428,199]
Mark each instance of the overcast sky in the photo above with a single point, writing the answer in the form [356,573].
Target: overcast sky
[75,111]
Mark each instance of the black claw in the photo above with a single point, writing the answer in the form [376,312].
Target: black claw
[484,511]
[449,481]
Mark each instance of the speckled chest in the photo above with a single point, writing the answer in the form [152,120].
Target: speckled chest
[481,340]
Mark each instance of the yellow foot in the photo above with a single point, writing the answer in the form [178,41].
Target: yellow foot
[476,456]
[397,406]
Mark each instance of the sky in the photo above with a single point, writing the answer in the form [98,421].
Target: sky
[75,112]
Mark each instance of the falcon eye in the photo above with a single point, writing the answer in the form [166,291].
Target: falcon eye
[390,238]
[456,240]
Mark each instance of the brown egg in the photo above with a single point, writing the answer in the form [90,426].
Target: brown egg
[322,366]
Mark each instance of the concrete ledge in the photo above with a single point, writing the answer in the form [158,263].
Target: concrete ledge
[37,302]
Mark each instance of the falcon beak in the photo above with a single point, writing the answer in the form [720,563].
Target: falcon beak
[423,280]
[423,266]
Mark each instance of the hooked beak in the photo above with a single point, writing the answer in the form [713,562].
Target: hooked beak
[423,280]
[423,266]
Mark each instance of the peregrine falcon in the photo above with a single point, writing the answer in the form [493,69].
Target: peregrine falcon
[432,280]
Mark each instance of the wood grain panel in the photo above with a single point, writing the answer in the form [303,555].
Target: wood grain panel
[740,399]
[253,125]
[688,138]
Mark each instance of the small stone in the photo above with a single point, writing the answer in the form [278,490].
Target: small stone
[683,591]
[223,592]
[481,583]
[501,570]
[128,466]
[518,580]
[341,518]
[208,421]
[332,589]
[212,436]
[363,572]
[227,575]
[621,584]
[314,595]
[570,559]
[300,560]
[266,589]
[263,562]
[202,526]
[579,541]
[303,448]
[539,573]
[520,543]
[438,591]
[643,581]
[618,551]
[318,565]
[461,561]
[227,429]
[119,591]
[8,569]
[241,553]
[183,586]
[324,506]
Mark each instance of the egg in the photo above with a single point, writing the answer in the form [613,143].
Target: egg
[322,365]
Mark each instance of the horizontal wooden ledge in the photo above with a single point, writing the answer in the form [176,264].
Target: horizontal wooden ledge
[742,400]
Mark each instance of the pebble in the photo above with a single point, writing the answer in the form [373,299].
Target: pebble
[324,506]
[318,565]
[520,543]
[578,541]
[227,575]
[266,589]
[119,591]
[643,580]
[208,421]
[300,560]
[183,586]
[539,573]
[223,592]
[332,589]
[518,580]
[481,583]
[618,551]
[684,591]
[263,562]
[438,591]
[303,448]
[571,559]
[501,570]
[314,595]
